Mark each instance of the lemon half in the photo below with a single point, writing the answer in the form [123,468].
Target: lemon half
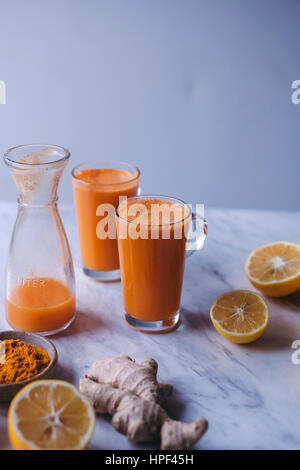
[241,316]
[50,414]
[274,269]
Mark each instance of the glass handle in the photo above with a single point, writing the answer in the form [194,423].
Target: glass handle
[197,234]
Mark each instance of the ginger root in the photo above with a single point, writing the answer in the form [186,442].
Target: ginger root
[122,372]
[131,393]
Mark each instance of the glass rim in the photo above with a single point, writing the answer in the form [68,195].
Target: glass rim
[137,173]
[159,197]
[12,162]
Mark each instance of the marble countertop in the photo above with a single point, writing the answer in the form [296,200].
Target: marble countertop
[250,394]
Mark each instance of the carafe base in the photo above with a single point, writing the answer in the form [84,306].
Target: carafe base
[102,276]
[46,333]
[159,326]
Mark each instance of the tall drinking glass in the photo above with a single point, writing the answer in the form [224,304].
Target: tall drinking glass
[97,187]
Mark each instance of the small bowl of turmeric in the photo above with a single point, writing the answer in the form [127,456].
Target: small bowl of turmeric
[24,357]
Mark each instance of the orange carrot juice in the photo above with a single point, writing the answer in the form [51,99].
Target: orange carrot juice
[92,188]
[152,262]
[40,305]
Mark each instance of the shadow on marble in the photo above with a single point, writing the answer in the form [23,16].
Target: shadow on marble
[64,373]
[4,437]
[106,419]
[175,407]
[276,337]
[292,302]
[195,320]
[84,321]
[4,441]
[279,334]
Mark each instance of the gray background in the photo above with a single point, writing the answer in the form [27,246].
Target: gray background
[197,93]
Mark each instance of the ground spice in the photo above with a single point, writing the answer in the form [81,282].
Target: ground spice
[21,361]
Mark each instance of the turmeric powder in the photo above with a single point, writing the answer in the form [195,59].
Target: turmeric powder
[21,361]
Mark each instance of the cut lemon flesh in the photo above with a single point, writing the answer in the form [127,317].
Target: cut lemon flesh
[241,316]
[50,414]
[274,269]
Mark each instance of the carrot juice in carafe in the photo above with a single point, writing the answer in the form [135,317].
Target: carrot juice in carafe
[40,285]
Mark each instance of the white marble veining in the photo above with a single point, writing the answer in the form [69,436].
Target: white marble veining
[250,394]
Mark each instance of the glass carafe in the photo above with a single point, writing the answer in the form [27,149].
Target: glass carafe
[40,285]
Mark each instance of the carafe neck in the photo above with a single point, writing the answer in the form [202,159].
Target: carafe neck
[36,171]
[37,186]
